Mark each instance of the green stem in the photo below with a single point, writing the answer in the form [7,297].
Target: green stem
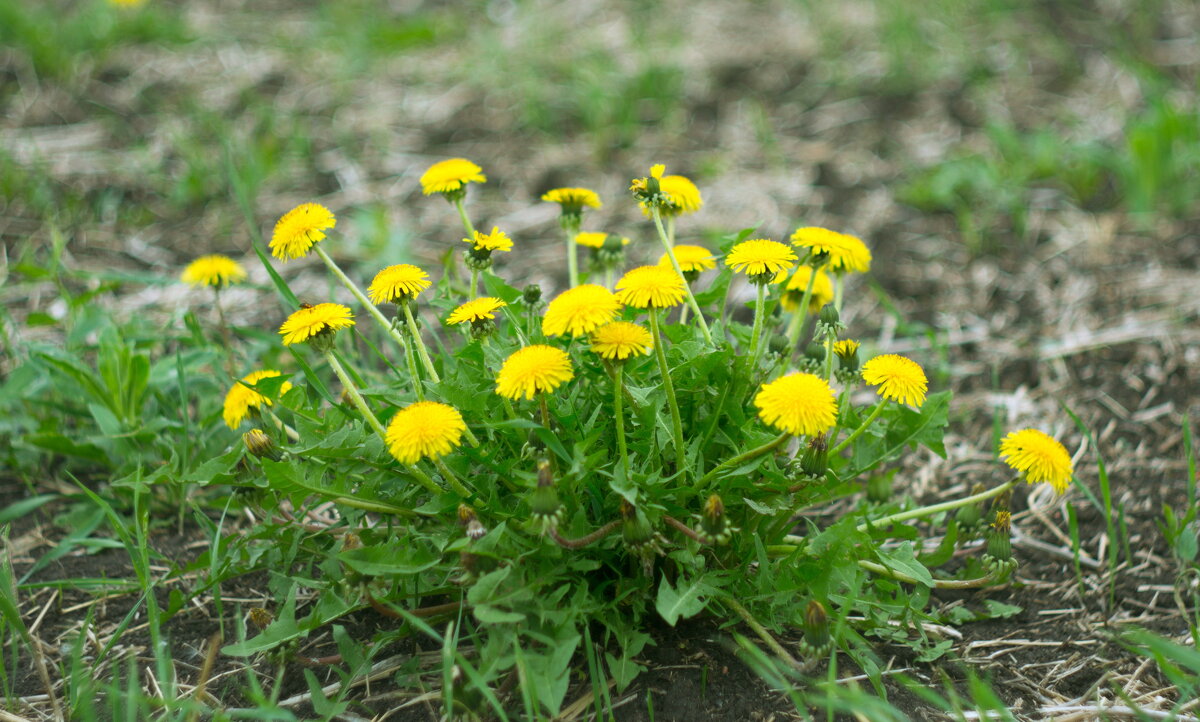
[756,335]
[472,294]
[875,412]
[937,583]
[608,277]
[662,234]
[571,229]
[416,335]
[618,409]
[462,214]
[292,434]
[761,631]
[838,284]
[361,298]
[936,508]
[411,357]
[743,458]
[545,409]
[355,397]
[665,371]
[452,480]
[671,230]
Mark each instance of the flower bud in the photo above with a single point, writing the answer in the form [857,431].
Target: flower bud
[544,502]
[477,259]
[970,517]
[260,617]
[847,353]
[879,488]
[714,526]
[640,538]
[469,520]
[261,445]
[998,556]
[829,316]
[815,461]
[778,344]
[481,328]
[817,640]
[531,294]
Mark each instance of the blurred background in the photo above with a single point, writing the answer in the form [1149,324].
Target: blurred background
[1026,172]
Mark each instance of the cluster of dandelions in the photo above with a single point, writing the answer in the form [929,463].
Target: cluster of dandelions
[802,388]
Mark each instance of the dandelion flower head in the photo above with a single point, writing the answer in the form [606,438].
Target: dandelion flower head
[580,310]
[451,175]
[691,258]
[476,310]
[621,340]
[651,287]
[298,229]
[533,370]
[215,270]
[573,200]
[759,256]
[899,379]
[497,240]
[1040,457]
[402,281]
[799,403]
[846,253]
[241,397]
[311,321]
[793,293]
[845,348]
[424,430]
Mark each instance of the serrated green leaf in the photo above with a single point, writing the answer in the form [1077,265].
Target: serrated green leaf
[686,601]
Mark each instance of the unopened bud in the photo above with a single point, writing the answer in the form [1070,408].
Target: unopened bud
[477,259]
[847,353]
[544,502]
[815,461]
[778,344]
[261,445]
[469,520]
[970,517]
[817,640]
[714,526]
[639,536]
[531,295]
[815,352]
[829,315]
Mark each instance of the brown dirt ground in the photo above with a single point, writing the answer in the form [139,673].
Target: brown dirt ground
[1090,310]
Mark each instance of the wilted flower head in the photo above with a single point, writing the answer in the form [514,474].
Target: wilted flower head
[298,229]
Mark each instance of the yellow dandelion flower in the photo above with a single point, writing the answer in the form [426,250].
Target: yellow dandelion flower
[846,253]
[533,370]
[621,340]
[1040,457]
[580,310]
[683,194]
[573,200]
[591,239]
[215,270]
[311,321]
[451,175]
[241,397]
[497,240]
[402,281]
[298,229]
[424,430]
[476,310]
[793,294]
[899,379]
[691,258]
[799,403]
[759,257]
[126,3]
[651,287]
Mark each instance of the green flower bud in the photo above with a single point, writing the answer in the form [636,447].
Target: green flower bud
[970,517]
[829,315]
[817,640]
[714,526]
[261,445]
[477,259]
[778,344]
[815,461]
[531,294]
[544,503]
[481,328]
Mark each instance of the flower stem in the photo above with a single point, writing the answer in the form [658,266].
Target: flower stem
[665,371]
[583,541]
[838,285]
[474,284]
[570,230]
[666,241]
[875,412]
[671,230]
[411,357]
[936,508]
[743,458]
[762,632]
[355,397]
[462,214]
[756,335]
[452,480]
[416,335]
[937,583]
[618,404]
[545,409]
[800,319]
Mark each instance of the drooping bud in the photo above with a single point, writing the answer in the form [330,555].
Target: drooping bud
[714,526]
[350,541]
[815,461]
[469,520]
[531,295]
[261,445]
[544,503]
[260,617]
[817,640]
[639,536]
